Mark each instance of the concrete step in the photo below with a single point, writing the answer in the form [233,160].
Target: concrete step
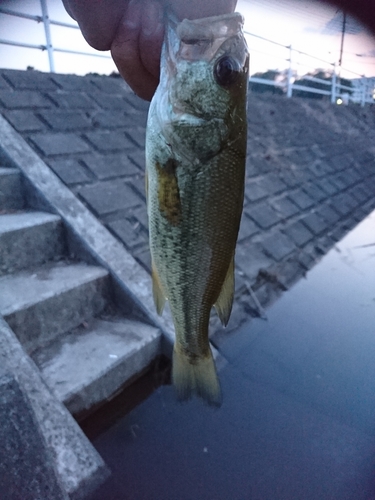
[85,367]
[42,303]
[11,193]
[27,467]
[78,465]
[29,239]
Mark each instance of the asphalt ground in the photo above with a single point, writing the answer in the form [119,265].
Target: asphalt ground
[298,417]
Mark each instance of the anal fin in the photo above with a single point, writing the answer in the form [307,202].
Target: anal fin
[157,292]
[224,302]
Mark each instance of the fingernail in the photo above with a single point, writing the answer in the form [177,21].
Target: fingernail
[133,15]
[151,18]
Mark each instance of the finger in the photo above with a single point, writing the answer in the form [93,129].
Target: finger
[68,8]
[126,54]
[194,9]
[151,36]
[98,20]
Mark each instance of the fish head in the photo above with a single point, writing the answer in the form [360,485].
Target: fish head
[203,84]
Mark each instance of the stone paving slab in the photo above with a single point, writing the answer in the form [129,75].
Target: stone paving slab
[50,144]
[310,167]
[23,99]
[301,199]
[71,171]
[71,100]
[278,246]
[24,120]
[3,83]
[263,215]
[298,233]
[65,120]
[284,207]
[109,196]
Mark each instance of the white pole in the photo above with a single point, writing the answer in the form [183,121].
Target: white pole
[289,88]
[363,97]
[333,89]
[47,32]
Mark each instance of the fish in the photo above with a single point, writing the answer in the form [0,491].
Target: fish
[195,174]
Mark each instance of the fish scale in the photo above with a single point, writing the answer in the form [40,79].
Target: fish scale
[195,185]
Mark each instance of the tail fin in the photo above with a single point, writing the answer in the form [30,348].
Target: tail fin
[199,378]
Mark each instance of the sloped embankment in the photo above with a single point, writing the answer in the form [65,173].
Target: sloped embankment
[310,179]
[310,170]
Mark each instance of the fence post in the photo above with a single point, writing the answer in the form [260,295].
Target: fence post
[333,88]
[43,4]
[289,88]
[363,96]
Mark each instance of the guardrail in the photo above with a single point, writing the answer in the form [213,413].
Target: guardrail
[362,90]
[45,19]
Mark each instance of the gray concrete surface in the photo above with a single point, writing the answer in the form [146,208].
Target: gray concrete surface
[79,141]
[109,353]
[41,234]
[129,275]
[79,467]
[26,469]
[297,420]
[10,189]
[42,303]
[310,173]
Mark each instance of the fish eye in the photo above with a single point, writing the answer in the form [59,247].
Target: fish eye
[227,70]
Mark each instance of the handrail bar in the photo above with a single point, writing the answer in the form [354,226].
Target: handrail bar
[10,12]
[20,44]
[362,90]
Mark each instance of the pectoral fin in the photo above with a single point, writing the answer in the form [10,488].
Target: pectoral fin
[224,303]
[159,297]
[169,192]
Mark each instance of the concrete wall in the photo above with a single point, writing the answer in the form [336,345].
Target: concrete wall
[310,171]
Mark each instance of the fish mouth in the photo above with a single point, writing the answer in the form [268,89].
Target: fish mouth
[199,39]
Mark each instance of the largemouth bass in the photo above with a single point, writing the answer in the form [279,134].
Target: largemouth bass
[195,165]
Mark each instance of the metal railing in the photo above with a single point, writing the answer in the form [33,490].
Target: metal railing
[47,22]
[362,90]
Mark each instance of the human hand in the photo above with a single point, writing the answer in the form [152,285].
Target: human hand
[134,31]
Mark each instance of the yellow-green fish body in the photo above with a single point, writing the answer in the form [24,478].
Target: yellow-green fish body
[195,158]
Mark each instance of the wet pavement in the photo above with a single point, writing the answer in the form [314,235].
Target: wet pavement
[298,418]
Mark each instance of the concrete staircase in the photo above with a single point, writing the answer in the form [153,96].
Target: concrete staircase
[61,310]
